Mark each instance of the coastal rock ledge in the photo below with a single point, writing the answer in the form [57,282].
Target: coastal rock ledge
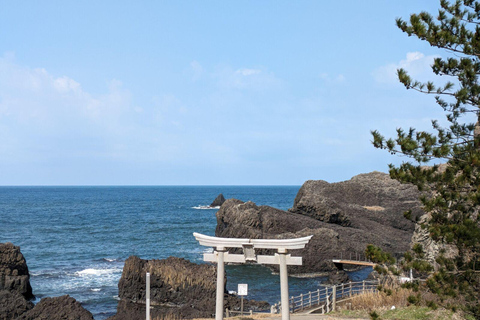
[178,288]
[16,291]
[343,218]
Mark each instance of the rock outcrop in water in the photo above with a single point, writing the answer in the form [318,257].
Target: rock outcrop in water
[342,217]
[64,307]
[177,287]
[15,291]
[13,304]
[14,275]
[219,200]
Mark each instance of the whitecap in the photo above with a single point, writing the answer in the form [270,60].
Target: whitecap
[95,272]
[95,289]
[206,208]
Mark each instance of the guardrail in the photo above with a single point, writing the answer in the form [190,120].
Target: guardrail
[325,299]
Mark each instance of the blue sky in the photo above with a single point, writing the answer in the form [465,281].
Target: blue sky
[204,92]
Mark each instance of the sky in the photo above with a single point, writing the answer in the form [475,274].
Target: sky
[205,92]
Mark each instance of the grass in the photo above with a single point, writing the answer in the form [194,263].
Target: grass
[392,303]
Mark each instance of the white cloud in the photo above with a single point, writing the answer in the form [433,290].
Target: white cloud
[416,63]
[248,72]
[340,78]
[246,78]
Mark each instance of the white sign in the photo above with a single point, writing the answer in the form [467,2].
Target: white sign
[242,289]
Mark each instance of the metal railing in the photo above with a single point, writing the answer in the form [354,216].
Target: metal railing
[325,299]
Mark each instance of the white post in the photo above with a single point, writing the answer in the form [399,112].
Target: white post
[147,297]
[282,253]
[334,297]
[220,283]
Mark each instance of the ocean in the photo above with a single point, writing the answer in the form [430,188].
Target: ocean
[76,239]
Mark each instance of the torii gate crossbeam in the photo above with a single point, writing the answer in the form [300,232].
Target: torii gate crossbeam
[220,256]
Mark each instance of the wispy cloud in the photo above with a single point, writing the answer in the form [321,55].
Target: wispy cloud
[340,78]
[246,78]
[416,63]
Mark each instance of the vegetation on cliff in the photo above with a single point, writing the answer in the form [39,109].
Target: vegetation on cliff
[452,191]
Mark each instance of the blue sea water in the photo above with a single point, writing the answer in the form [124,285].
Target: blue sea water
[76,239]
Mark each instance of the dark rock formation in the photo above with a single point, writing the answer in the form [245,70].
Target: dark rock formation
[219,200]
[342,217]
[58,308]
[177,286]
[13,304]
[14,274]
[366,199]
[338,277]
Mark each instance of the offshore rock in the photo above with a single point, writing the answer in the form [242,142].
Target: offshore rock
[61,308]
[178,287]
[343,218]
[13,304]
[14,275]
[219,200]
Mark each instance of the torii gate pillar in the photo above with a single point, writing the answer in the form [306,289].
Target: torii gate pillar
[220,256]
[220,283]
[282,254]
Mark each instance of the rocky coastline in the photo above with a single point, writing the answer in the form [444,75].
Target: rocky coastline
[343,218]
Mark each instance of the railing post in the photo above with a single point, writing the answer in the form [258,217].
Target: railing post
[327,302]
[227,313]
[318,295]
[292,303]
[301,300]
[334,297]
[363,285]
[251,312]
[147,296]
[309,299]
[350,282]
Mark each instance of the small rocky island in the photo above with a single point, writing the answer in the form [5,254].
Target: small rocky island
[219,200]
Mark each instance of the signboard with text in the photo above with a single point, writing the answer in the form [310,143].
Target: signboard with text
[242,289]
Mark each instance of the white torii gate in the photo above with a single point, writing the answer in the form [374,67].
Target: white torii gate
[221,255]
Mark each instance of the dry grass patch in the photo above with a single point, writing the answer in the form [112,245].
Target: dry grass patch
[374,208]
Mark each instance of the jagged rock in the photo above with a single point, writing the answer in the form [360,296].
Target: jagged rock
[13,304]
[343,218]
[58,308]
[177,287]
[365,199]
[338,277]
[219,200]
[14,275]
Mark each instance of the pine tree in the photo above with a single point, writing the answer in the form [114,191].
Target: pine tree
[452,190]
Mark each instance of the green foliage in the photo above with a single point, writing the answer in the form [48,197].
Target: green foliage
[432,305]
[413,299]
[451,191]
[374,315]
[408,214]
[414,285]
[377,255]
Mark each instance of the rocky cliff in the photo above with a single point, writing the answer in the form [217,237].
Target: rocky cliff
[342,217]
[177,287]
[14,275]
[16,291]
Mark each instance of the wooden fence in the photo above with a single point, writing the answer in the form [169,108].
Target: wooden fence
[324,300]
